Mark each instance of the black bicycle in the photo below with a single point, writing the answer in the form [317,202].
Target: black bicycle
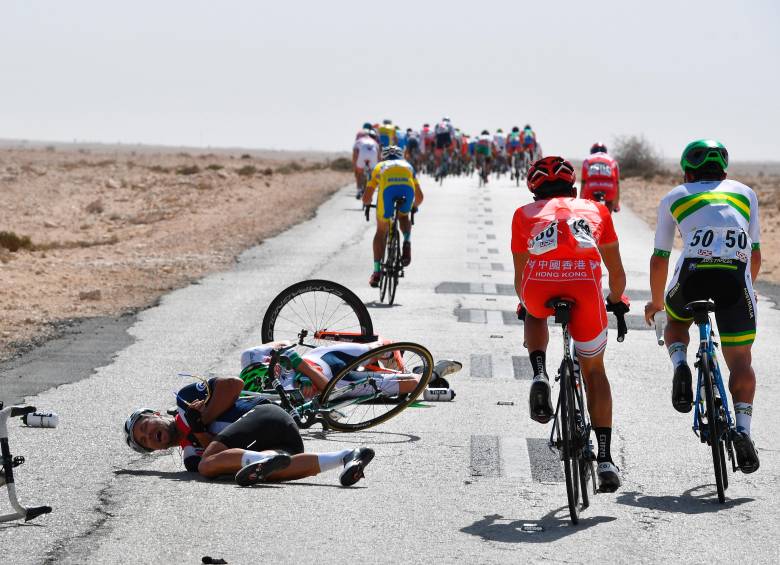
[392,267]
[571,429]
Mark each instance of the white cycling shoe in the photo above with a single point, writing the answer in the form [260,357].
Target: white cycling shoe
[609,479]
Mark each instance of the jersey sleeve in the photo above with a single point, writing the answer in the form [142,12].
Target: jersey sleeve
[194,391]
[191,456]
[664,230]
[374,180]
[754,229]
[584,175]
[607,233]
[520,232]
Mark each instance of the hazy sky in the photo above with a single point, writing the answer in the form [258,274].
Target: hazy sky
[306,74]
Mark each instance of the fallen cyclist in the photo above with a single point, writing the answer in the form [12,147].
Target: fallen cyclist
[215,430]
[312,372]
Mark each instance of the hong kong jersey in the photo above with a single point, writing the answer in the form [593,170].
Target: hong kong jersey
[191,449]
[715,219]
[562,228]
[599,171]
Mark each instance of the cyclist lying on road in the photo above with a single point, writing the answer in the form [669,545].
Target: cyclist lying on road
[318,366]
[215,429]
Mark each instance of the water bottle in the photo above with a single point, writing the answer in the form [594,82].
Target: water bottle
[438,394]
[41,420]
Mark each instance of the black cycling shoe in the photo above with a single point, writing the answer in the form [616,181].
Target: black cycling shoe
[747,457]
[256,472]
[682,393]
[539,400]
[354,465]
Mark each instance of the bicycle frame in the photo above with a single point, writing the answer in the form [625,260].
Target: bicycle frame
[707,347]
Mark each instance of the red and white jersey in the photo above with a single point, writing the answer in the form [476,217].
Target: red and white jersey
[562,232]
[599,172]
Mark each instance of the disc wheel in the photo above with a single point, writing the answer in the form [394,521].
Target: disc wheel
[376,386]
[312,307]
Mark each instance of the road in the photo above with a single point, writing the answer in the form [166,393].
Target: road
[470,481]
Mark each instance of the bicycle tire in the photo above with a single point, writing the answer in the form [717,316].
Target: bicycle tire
[396,269]
[715,439]
[566,424]
[340,423]
[383,277]
[290,312]
[587,470]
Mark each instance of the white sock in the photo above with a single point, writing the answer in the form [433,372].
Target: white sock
[332,460]
[678,351]
[250,457]
[744,413]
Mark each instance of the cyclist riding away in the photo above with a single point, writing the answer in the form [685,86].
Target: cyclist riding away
[396,180]
[718,221]
[485,150]
[529,141]
[558,244]
[215,430]
[387,133]
[600,174]
[365,155]
[445,136]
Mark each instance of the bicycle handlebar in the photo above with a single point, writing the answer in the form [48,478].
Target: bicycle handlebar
[367,209]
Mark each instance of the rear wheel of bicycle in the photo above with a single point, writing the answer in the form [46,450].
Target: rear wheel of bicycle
[713,428]
[571,466]
[395,269]
[310,307]
[376,386]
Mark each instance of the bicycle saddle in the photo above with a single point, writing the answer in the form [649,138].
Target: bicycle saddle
[562,307]
[700,306]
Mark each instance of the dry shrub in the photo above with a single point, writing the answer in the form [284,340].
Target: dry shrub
[215,167]
[246,156]
[159,169]
[341,164]
[247,171]
[13,242]
[289,168]
[637,158]
[188,170]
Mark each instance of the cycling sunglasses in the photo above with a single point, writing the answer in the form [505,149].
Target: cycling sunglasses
[697,157]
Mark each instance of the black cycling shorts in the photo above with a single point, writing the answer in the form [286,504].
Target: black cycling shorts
[728,284]
[443,140]
[264,427]
[413,145]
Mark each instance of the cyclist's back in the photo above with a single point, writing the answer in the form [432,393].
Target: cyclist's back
[444,133]
[600,173]
[387,134]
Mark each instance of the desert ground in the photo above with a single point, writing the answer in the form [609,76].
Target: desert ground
[100,231]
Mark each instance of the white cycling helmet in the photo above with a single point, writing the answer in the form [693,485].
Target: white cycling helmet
[130,423]
[392,152]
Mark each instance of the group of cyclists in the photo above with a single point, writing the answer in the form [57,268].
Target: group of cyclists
[444,150]
[559,242]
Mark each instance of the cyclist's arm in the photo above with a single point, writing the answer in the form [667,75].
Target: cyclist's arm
[659,262]
[583,178]
[318,378]
[519,259]
[354,156]
[610,254]
[418,194]
[368,195]
[225,393]
[755,263]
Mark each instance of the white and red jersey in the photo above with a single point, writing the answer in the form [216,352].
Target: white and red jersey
[600,173]
[367,150]
[427,135]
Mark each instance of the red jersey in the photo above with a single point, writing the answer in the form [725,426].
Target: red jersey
[563,227]
[600,173]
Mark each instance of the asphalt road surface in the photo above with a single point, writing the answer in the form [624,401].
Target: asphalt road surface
[470,481]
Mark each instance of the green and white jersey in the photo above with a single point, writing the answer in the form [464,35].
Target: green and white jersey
[716,219]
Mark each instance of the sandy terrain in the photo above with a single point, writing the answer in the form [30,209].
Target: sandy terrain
[112,229]
[643,197]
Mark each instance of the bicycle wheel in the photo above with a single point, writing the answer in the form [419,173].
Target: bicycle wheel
[376,386]
[587,469]
[396,269]
[713,428]
[308,308]
[567,426]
